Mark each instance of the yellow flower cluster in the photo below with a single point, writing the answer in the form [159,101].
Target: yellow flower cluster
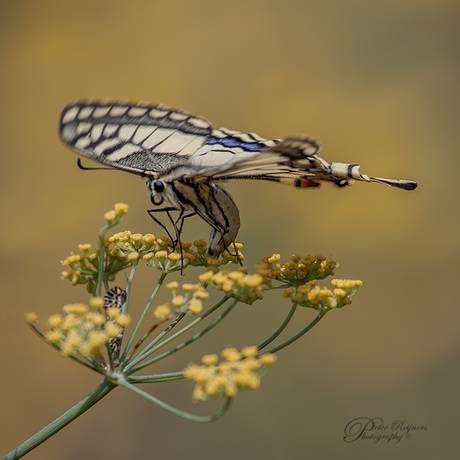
[161,254]
[298,271]
[127,248]
[240,370]
[190,302]
[82,267]
[136,245]
[240,285]
[321,298]
[81,332]
[200,258]
[116,214]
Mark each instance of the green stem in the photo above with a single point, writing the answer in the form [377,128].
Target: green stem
[174,410]
[187,342]
[69,416]
[129,284]
[100,273]
[280,329]
[147,351]
[155,378]
[144,313]
[300,334]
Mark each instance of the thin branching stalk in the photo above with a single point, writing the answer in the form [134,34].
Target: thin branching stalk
[297,336]
[180,413]
[151,348]
[143,315]
[183,344]
[281,328]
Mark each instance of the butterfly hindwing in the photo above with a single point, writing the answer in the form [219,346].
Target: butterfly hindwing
[294,161]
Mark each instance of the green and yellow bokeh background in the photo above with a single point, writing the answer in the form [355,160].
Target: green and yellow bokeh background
[378,84]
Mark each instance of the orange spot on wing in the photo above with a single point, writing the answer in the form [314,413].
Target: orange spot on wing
[305,183]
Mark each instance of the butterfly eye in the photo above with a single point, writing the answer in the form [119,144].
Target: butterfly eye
[158,186]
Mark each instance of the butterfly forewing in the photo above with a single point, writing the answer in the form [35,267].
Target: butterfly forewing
[139,138]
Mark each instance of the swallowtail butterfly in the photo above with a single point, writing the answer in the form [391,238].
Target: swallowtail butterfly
[183,158]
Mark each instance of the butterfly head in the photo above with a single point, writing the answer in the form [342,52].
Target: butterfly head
[156,190]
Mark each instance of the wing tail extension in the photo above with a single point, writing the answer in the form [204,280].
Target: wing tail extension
[352,171]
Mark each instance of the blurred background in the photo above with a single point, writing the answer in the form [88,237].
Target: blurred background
[378,84]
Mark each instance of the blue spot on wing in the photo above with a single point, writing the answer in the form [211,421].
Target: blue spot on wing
[232,142]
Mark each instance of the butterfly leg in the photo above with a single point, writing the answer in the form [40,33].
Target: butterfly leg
[167,209]
[237,254]
[178,225]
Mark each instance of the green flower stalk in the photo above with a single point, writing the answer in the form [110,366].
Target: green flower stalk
[94,335]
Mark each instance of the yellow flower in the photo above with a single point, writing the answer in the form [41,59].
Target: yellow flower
[110,215]
[55,320]
[53,336]
[133,255]
[77,308]
[31,317]
[253,280]
[178,301]
[231,354]
[113,312]
[162,311]
[195,306]
[249,351]
[150,239]
[172,285]
[209,360]
[97,339]
[239,371]
[85,247]
[124,320]
[188,287]
[346,283]
[206,276]
[267,358]
[112,329]
[121,208]
[202,294]
[96,302]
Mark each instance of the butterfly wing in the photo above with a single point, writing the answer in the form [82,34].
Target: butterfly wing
[291,161]
[139,138]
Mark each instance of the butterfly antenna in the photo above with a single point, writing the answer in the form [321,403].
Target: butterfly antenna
[79,164]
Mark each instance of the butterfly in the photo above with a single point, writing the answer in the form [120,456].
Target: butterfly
[183,159]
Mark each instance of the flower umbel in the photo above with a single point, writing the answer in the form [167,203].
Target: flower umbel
[297,272]
[98,335]
[124,250]
[79,333]
[240,371]
[238,284]
[321,298]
